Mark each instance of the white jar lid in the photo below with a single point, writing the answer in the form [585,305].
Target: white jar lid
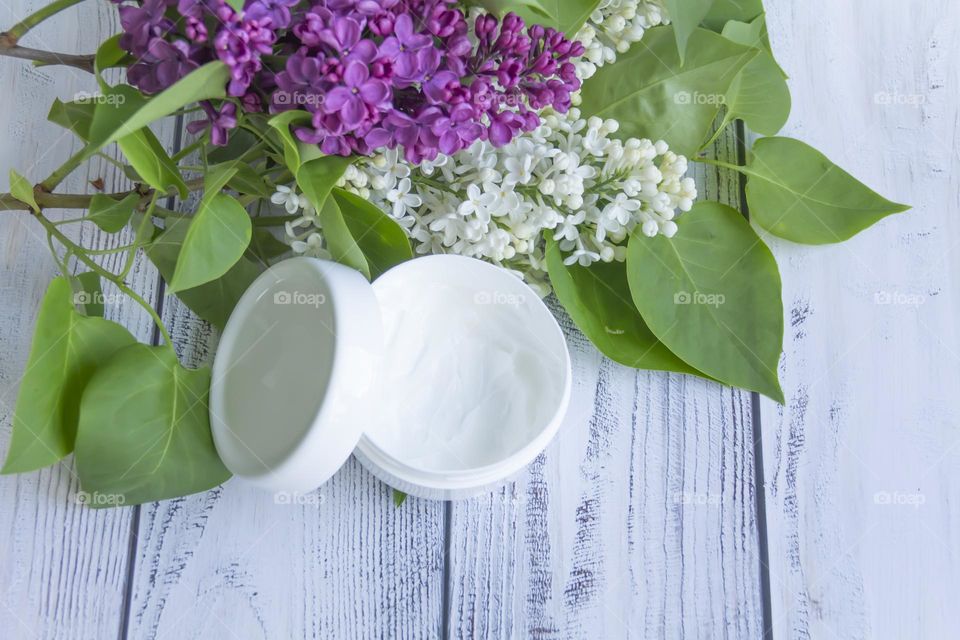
[298,376]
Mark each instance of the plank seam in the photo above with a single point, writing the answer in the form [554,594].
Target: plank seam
[155,340]
[760,494]
[445,582]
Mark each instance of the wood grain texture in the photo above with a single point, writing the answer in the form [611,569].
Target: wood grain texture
[861,465]
[63,566]
[237,562]
[639,521]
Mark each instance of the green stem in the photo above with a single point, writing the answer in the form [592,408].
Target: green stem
[720,163]
[18,30]
[81,255]
[65,169]
[190,148]
[145,223]
[157,320]
[58,200]
[112,161]
[715,136]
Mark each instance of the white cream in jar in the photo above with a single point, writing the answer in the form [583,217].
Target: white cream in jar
[465,379]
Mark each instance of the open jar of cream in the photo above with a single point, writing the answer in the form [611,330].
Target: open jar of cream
[445,377]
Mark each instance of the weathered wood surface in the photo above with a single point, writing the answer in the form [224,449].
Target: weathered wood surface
[862,464]
[63,567]
[640,520]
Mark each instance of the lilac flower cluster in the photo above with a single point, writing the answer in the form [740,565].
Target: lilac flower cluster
[370,73]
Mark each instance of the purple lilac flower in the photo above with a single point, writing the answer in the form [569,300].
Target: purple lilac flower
[344,36]
[240,46]
[301,84]
[405,43]
[359,97]
[162,64]
[220,122]
[372,73]
[276,11]
[141,24]
[457,131]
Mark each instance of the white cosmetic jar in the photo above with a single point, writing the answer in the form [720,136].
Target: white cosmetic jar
[445,377]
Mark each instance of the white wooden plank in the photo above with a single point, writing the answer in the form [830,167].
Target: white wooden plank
[64,565]
[639,521]
[863,494]
[238,562]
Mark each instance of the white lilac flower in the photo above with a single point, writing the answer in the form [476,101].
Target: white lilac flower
[567,181]
[401,199]
[287,197]
[612,28]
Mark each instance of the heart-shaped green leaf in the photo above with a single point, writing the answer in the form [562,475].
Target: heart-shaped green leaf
[145,431]
[218,235]
[213,301]
[383,242]
[759,96]
[795,192]
[598,300]
[652,95]
[686,16]
[712,295]
[111,214]
[67,348]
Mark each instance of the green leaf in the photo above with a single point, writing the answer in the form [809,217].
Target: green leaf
[22,190]
[87,293]
[218,235]
[247,181]
[652,96]
[108,55]
[795,192]
[213,301]
[111,214]
[282,122]
[383,242]
[238,145]
[598,299]
[217,177]
[759,96]
[316,179]
[236,4]
[399,497]
[67,348]
[205,83]
[264,247]
[502,7]
[563,15]
[686,16]
[723,11]
[144,430]
[75,116]
[712,295]
[151,162]
[340,242]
